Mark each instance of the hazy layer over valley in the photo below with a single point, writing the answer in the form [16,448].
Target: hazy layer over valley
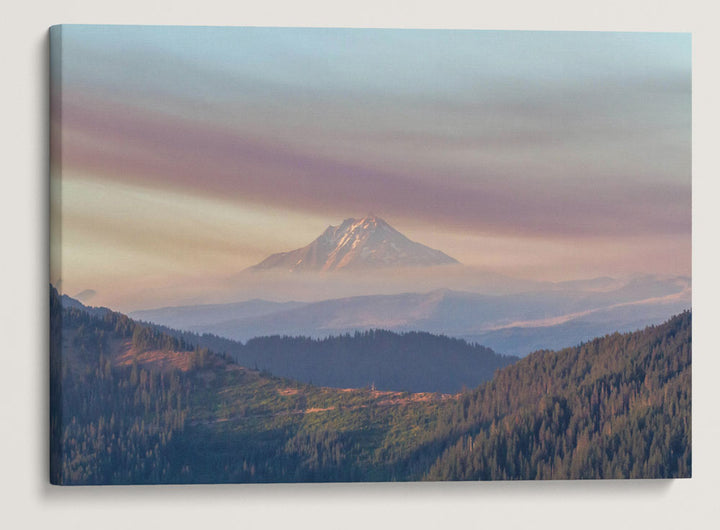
[525,317]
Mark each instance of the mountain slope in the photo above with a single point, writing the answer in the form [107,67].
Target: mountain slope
[616,407]
[132,405]
[363,244]
[416,362]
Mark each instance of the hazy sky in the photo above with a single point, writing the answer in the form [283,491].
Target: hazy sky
[189,153]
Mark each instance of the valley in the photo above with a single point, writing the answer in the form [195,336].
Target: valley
[514,323]
[165,411]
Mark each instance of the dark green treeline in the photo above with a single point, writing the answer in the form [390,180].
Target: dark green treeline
[616,407]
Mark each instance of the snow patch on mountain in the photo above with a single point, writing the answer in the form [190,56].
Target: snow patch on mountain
[367,243]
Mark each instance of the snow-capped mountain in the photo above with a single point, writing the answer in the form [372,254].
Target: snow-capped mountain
[366,243]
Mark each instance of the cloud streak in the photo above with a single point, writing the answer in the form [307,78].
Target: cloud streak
[154,149]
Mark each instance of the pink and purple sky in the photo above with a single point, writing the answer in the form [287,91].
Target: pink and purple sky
[186,154]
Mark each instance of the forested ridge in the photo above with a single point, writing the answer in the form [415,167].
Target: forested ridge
[110,424]
[386,360]
[412,361]
[616,407]
[131,404]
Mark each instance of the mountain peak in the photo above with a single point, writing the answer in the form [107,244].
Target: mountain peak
[357,244]
[369,221]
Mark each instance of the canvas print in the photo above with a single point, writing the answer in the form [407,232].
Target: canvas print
[366,255]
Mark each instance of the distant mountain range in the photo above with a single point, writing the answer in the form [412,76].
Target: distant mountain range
[201,317]
[367,243]
[514,324]
[512,317]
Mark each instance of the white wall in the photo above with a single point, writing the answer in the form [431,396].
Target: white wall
[27,500]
